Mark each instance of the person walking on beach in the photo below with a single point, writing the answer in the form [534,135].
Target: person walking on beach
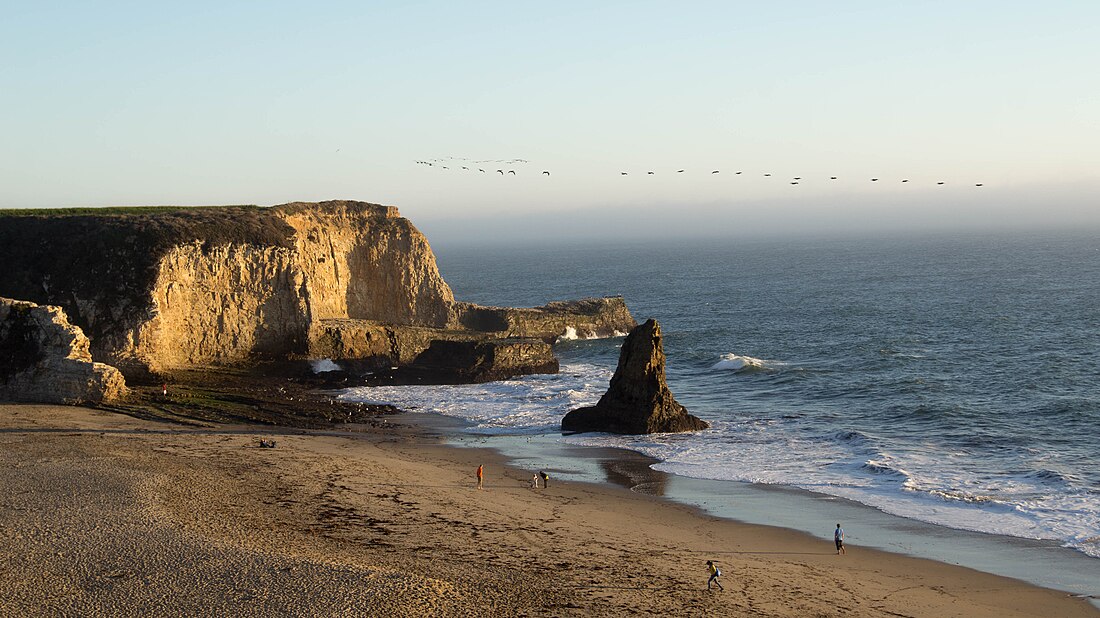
[480,475]
[535,481]
[545,479]
[838,536]
[715,573]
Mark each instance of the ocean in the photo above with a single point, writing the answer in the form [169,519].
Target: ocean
[952,379]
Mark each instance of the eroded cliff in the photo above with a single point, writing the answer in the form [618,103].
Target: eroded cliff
[158,289]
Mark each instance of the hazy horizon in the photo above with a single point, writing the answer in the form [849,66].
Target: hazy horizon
[207,103]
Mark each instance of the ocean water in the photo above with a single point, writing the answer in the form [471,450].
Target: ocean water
[953,380]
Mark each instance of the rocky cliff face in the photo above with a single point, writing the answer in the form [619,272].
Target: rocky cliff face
[162,290]
[44,358]
[157,289]
[638,400]
[367,263]
[220,305]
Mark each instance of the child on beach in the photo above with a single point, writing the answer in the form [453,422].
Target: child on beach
[535,481]
[715,573]
[480,475]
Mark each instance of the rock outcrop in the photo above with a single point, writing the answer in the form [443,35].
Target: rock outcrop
[44,358]
[588,318]
[384,345]
[158,289]
[638,400]
[473,362]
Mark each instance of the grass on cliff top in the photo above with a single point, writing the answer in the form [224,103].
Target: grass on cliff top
[108,210]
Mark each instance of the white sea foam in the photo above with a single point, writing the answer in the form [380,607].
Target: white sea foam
[531,403]
[572,334]
[735,363]
[323,365]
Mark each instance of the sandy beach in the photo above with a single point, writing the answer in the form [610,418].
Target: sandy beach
[108,515]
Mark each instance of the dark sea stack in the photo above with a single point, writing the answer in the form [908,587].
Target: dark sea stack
[638,400]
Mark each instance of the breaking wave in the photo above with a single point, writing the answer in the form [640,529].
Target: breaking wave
[737,363]
[323,365]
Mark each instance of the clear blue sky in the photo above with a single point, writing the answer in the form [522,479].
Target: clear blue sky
[105,103]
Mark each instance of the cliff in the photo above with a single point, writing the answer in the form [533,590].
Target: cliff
[44,358]
[170,288]
[164,288]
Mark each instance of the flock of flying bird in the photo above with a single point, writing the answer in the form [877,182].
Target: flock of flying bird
[439,163]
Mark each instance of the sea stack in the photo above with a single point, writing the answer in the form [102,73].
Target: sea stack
[638,400]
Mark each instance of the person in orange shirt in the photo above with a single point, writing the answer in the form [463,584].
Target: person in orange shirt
[480,475]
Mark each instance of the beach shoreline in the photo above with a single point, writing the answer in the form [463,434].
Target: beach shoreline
[1043,563]
[112,514]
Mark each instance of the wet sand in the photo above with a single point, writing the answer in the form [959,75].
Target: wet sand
[105,514]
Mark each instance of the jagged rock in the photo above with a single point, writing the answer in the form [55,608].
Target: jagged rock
[45,359]
[472,362]
[638,400]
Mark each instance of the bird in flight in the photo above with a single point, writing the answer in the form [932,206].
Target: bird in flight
[714,172]
[546,172]
[940,182]
[501,172]
[798,178]
[767,174]
[832,177]
[481,170]
[874,180]
[512,172]
[623,173]
[737,172]
[978,184]
[650,173]
[679,171]
[906,180]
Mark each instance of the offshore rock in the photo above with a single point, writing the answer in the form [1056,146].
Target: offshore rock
[45,359]
[638,400]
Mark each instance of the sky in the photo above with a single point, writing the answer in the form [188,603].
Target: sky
[142,103]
